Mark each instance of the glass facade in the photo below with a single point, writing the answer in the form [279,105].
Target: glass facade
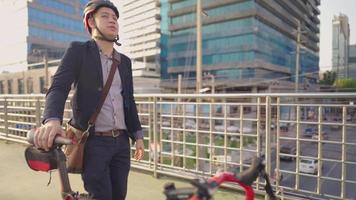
[352,61]
[2,91]
[352,54]
[54,35]
[42,84]
[9,86]
[232,43]
[67,23]
[62,27]
[20,86]
[164,9]
[57,5]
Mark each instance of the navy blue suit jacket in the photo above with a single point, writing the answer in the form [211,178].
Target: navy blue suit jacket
[81,65]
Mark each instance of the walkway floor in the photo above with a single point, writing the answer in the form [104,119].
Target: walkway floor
[18,182]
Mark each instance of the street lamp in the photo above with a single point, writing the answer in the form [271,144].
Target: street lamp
[44,54]
[297,61]
[199,47]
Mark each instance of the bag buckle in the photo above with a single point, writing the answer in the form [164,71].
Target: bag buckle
[115,134]
[85,134]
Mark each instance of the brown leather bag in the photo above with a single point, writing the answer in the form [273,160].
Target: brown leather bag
[75,152]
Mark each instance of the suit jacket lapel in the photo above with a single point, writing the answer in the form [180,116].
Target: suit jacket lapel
[94,52]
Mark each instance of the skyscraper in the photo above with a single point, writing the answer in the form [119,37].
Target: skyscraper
[247,44]
[140,33]
[33,28]
[340,46]
[140,30]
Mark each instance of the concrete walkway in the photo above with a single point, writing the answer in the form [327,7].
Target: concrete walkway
[18,182]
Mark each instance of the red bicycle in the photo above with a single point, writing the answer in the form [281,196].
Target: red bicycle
[203,189]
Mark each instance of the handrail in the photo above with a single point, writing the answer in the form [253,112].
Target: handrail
[183,141]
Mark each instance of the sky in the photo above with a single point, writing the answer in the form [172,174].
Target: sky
[328,9]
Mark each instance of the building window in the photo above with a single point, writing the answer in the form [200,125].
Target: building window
[20,86]
[2,87]
[29,85]
[9,86]
[42,84]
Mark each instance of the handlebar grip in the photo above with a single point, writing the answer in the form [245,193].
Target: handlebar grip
[57,140]
[250,175]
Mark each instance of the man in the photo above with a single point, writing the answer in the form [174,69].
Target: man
[87,65]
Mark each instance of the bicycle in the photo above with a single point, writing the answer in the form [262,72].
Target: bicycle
[53,159]
[203,189]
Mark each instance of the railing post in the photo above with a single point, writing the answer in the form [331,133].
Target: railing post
[155,143]
[344,154]
[277,127]
[38,112]
[298,150]
[268,137]
[258,129]
[320,150]
[6,125]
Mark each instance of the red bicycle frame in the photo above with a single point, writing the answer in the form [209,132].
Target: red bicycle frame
[203,189]
[229,177]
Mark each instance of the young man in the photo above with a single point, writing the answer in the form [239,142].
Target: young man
[87,65]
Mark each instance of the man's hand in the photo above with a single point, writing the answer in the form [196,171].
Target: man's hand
[45,135]
[140,149]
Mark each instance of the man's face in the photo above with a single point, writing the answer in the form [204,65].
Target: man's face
[106,21]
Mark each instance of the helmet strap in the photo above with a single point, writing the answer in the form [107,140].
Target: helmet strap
[103,37]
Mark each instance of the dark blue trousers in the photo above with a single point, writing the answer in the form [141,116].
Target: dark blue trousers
[106,167]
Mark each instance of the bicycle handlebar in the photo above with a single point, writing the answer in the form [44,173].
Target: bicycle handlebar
[59,140]
[248,176]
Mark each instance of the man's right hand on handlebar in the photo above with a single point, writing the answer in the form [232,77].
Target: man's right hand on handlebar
[46,133]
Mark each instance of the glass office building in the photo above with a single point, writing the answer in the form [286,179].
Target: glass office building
[246,43]
[340,46]
[53,25]
[39,26]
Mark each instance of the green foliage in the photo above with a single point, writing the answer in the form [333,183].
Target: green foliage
[329,78]
[345,83]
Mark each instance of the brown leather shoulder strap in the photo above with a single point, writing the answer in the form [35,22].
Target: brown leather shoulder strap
[105,91]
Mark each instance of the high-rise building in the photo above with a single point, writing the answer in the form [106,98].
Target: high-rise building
[352,61]
[33,28]
[340,46]
[140,30]
[247,44]
[140,33]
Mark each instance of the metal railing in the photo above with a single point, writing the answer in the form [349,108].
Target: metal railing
[309,139]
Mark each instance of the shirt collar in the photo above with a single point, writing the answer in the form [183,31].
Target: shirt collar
[116,55]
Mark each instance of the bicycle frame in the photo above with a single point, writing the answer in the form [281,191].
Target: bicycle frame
[66,190]
[203,189]
[231,177]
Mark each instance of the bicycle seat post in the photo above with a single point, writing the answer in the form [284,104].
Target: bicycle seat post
[63,173]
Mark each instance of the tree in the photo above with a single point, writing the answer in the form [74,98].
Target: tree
[329,78]
[346,83]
